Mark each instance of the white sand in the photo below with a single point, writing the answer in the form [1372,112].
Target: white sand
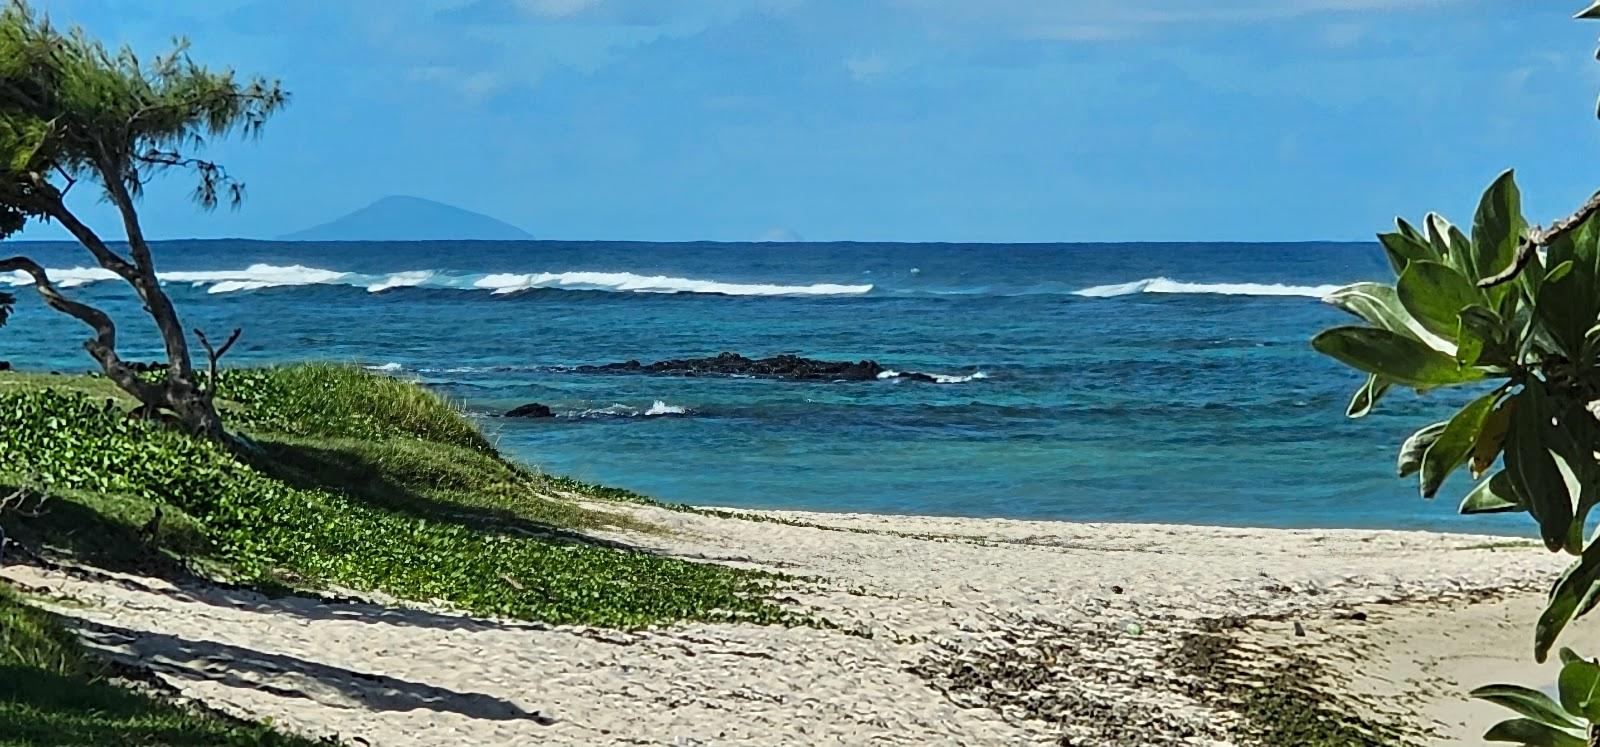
[1031,607]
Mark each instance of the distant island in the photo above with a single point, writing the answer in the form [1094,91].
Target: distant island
[403,218]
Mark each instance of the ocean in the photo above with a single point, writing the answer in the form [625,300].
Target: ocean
[1090,382]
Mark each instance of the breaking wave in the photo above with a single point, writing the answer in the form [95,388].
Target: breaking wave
[1170,286]
[937,378]
[659,408]
[258,276]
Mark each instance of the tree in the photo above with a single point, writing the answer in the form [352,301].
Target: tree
[73,111]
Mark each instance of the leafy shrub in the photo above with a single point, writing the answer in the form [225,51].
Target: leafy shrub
[266,529]
[1530,348]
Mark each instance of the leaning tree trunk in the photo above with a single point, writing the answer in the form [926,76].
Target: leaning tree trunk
[179,393]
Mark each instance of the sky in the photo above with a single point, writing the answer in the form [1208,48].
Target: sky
[888,120]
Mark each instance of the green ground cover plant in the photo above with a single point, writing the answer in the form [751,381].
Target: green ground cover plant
[358,481]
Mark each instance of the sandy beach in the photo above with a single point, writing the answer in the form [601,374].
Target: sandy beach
[937,631]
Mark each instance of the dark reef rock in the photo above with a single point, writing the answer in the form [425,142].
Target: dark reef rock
[732,364]
[5,365]
[530,410]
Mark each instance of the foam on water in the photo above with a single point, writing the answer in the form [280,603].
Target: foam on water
[658,408]
[258,276]
[501,283]
[938,378]
[1168,285]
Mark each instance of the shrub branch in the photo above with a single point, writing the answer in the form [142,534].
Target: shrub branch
[1538,237]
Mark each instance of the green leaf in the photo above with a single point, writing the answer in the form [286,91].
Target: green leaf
[1589,13]
[1412,451]
[1437,229]
[1527,702]
[1497,227]
[1568,656]
[1395,357]
[1402,249]
[1534,473]
[1579,685]
[1572,595]
[1436,294]
[1492,438]
[1361,404]
[1569,300]
[1454,443]
[1492,496]
[1380,306]
[1558,272]
[1532,734]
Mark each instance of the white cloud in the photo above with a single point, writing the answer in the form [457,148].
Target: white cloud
[476,85]
[1105,20]
[866,67]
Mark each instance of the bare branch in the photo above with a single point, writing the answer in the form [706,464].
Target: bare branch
[215,354]
[18,500]
[1538,237]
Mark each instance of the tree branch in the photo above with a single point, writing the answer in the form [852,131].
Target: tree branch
[215,354]
[103,346]
[1538,237]
[49,200]
[143,275]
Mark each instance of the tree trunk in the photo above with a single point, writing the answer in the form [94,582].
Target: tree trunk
[183,395]
[179,393]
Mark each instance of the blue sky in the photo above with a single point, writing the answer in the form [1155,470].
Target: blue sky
[890,120]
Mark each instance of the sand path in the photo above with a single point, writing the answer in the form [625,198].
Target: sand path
[952,631]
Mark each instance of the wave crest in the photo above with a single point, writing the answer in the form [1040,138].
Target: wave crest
[1170,286]
[259,276]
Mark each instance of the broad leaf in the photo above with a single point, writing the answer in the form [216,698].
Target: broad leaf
[1567,300]
[1455,442]
[1572,595]
[1481,338]
[1365,399]
[1558,272]
[1497,227]
[1395,357]
[1412,451]
[1492,437]
[1532,734]
[1436,294]
[1402,250]
[1380,306]
[1527,702]
[1492,496]
[1534,473]
[1580,689]
[1437,230]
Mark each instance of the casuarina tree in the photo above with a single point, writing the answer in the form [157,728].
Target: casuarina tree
[75,114]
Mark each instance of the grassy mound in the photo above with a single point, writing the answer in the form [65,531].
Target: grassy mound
[52,694]
[362,481]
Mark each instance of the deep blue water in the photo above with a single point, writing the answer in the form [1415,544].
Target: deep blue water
[1193,399]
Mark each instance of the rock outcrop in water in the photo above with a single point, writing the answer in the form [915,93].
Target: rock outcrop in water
[792,367]
[530,410]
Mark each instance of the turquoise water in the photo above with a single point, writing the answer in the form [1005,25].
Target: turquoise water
[1128,382]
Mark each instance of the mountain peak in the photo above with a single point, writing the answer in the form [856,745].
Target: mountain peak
[407,218]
